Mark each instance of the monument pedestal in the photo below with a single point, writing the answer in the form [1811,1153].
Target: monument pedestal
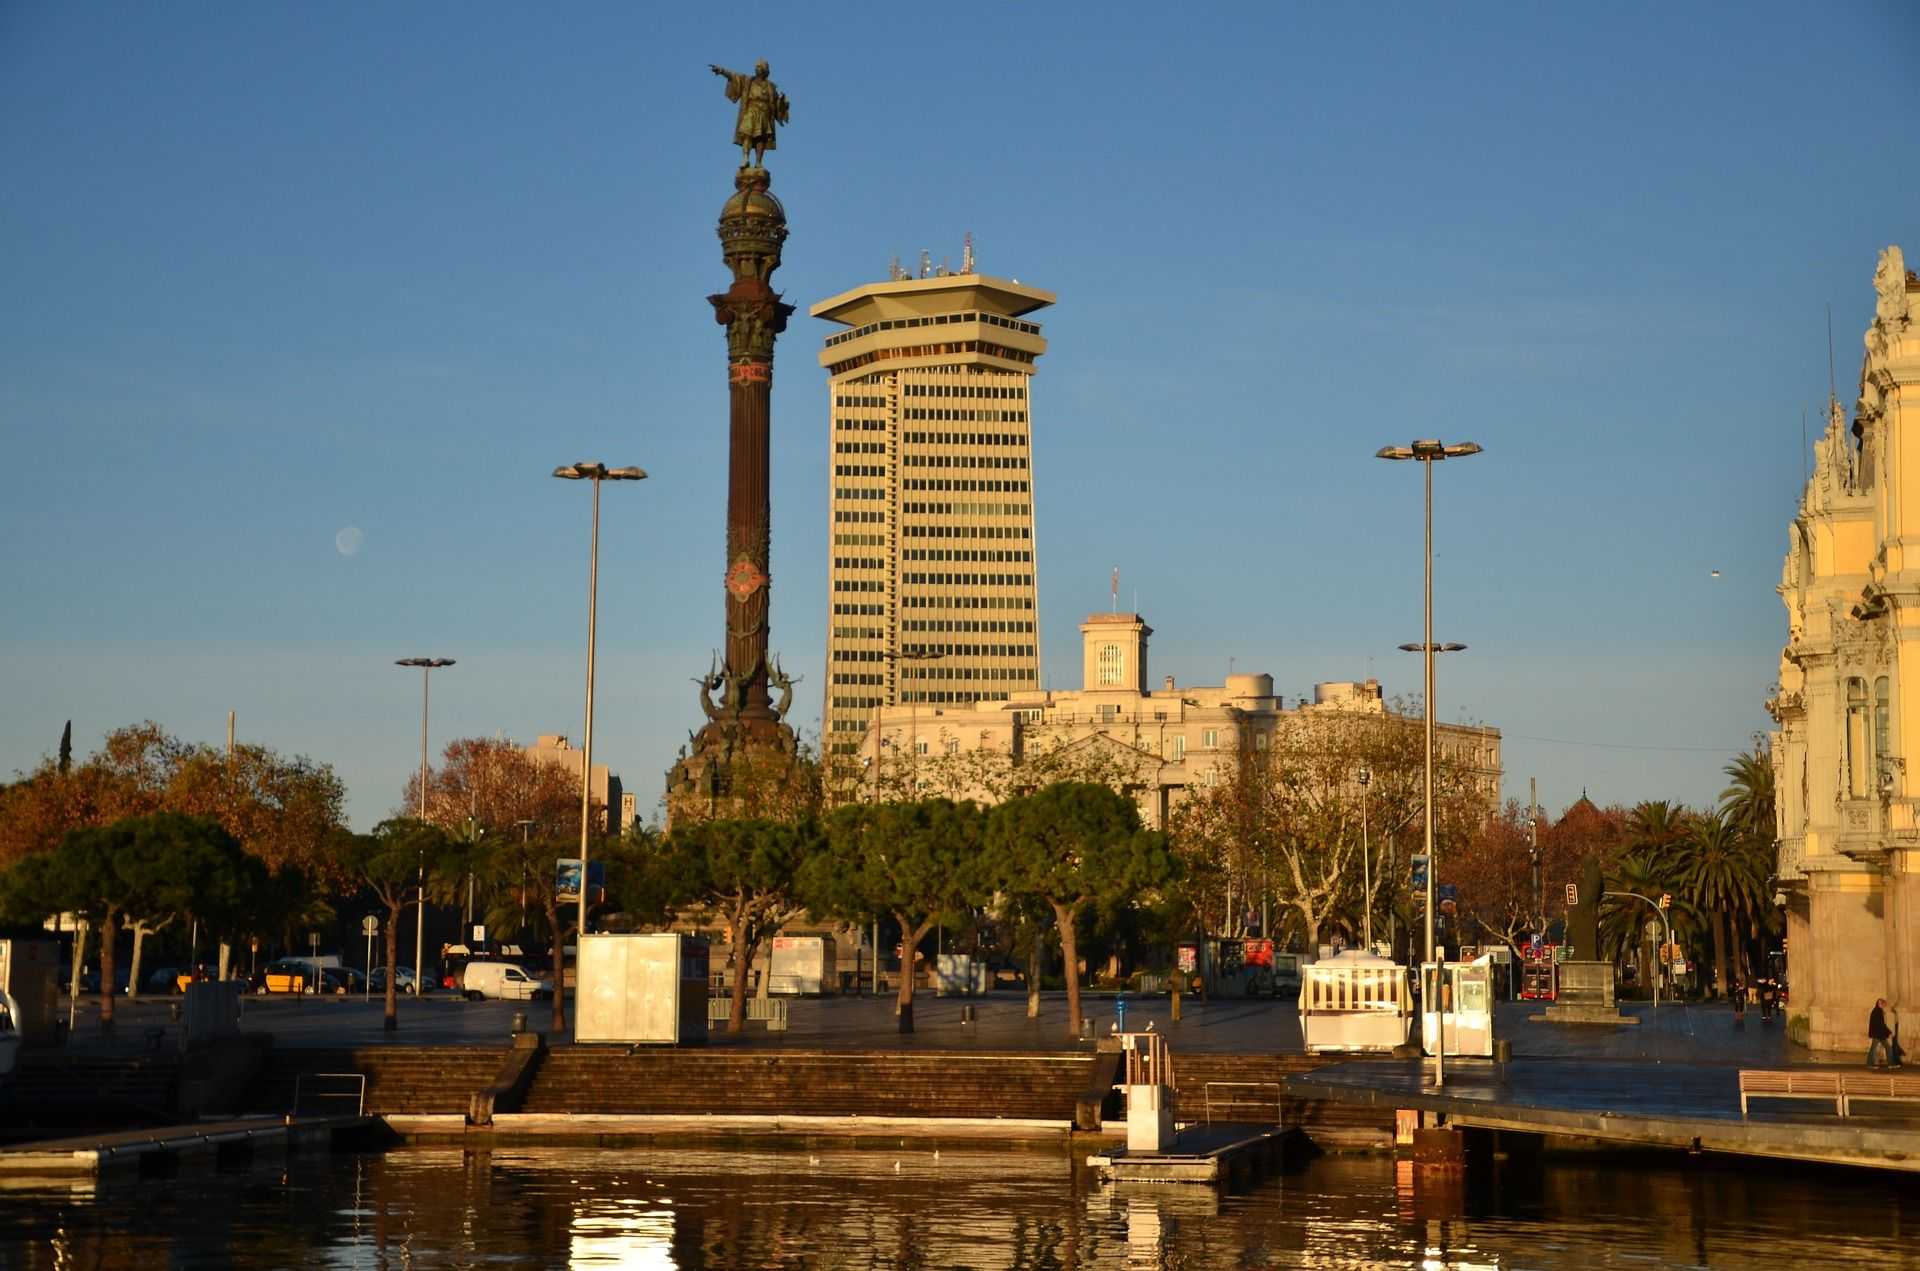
[1583,993]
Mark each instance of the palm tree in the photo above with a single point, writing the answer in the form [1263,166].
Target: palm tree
[1747,804]
[1722,875]
[1654,826]
[1622,921]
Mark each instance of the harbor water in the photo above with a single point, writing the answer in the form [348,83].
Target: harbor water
[909,1204]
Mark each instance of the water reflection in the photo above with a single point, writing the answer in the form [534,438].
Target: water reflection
[897,1204]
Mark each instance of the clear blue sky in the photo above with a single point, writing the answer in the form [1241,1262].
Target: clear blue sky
[273,271]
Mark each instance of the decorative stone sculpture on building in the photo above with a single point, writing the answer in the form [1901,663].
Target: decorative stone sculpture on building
[745,739]
[1848,808]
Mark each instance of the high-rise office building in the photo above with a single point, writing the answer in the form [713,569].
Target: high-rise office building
[932,564]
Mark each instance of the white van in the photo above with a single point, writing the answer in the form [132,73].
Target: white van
[502,980]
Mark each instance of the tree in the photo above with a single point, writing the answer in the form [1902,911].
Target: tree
[1723,875]
[745,873]
[66,749]
[187,868]
[1747,802]
[1072,844]
[1493,875]
[918,862]
[394,863]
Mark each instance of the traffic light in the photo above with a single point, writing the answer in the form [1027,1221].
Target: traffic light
[1573,894]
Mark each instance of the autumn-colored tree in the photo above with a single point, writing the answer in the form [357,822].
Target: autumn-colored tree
[1287,819]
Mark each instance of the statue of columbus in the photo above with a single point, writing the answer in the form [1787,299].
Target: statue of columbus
[762,106]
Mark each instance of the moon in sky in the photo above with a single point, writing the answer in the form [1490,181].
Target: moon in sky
[347,542]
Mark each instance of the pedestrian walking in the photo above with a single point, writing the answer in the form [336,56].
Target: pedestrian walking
[1738,992]
[1878,1035]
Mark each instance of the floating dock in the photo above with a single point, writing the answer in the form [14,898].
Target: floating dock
[135,1149]
[1692,1108]
[1200,1154]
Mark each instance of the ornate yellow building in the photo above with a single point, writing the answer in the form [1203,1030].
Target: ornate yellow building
[1848,806]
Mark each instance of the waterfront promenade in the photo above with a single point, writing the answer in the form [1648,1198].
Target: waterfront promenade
[1672,1034]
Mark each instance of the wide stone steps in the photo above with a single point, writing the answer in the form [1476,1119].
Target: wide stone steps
[399,1079]
[1252,1088]
[54,1088]
[970,1084]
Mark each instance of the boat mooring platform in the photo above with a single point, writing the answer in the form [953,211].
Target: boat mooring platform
[137,1149]
[1200,1154]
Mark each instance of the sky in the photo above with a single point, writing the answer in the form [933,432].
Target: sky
[304,302]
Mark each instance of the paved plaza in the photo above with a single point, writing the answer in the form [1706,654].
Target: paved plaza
[1695,1034]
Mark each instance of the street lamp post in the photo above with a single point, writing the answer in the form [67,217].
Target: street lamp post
[427,667]
[1427,453]
[897,656]
[596,473]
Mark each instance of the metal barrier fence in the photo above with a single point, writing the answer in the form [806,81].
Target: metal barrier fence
[771,1011]
[358,1093]
[1261,1105]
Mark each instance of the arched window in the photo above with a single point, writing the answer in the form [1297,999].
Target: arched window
[1858,784]
[1110,664]
[1882,723]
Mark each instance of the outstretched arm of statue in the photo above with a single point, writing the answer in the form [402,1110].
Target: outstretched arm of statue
[721,70]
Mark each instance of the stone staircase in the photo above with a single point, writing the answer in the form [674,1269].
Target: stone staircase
[1252,1088]
[401,1080]
[55,1088]
[973,1084]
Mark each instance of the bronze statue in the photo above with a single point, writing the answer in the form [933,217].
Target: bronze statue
[762,106]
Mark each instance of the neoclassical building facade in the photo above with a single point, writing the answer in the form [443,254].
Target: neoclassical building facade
[1158,743]
[1846,800]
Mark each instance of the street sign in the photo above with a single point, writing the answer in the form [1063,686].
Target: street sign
[479,934]
[370,925]
[1420,871]
[1573,894]
[1666,900]
[313,941]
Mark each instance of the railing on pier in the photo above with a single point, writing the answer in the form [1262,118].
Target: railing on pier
[337,1093]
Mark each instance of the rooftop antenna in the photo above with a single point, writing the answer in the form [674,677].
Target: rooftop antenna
[1114,605]
[966,253]
[894,272]
[926,263]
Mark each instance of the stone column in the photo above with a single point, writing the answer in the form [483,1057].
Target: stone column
[1847,930]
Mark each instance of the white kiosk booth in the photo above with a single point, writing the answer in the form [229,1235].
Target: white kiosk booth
[1355,1001]
[1464,1020]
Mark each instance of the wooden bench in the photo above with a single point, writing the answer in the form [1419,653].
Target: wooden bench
[1797,1084]
[1879,1087]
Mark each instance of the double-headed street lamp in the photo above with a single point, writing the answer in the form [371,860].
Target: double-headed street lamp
[596,473]
[1427,453]
[427,667]
[919,655]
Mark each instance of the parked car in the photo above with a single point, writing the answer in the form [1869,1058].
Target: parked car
[344,979]
[502,980]
[402,980]
[296,975]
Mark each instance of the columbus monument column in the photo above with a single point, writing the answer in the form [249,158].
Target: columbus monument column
[744,755]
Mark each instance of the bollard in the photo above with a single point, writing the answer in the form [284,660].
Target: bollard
[519,1023]
[1176,1006]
